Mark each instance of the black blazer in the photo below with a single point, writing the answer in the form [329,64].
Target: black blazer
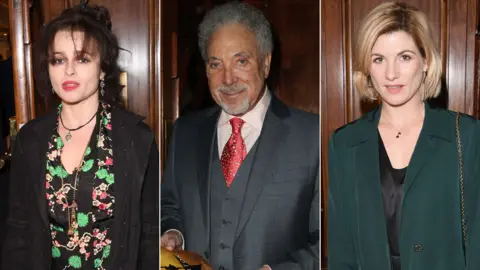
[279,219]
[135,230]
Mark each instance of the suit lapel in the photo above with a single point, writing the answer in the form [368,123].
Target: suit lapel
[205,145]
[274,131]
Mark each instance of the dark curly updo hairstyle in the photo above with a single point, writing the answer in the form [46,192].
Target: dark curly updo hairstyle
[94,22]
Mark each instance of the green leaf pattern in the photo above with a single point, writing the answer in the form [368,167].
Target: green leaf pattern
[75,262]
[87,151]
[56,252]
[82,220]
[59,143]
[109,178]
[87,165]
[70,252]
[97,263]
[102,173]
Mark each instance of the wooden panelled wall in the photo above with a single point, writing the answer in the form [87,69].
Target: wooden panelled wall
[136,24]
[454,25]
[477,64]
[19,17]
[296,64]
[169,71]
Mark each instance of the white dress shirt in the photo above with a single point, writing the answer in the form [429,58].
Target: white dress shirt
[252,127]
[251,130]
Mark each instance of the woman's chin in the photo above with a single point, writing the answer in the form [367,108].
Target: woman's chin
[74,98]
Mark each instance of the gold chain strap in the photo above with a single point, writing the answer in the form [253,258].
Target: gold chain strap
[460,161]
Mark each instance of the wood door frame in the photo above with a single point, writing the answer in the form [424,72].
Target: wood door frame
[22,60]
[161,138]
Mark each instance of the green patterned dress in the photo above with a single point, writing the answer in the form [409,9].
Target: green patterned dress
[89,245]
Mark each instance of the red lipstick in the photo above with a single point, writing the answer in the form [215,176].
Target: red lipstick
[70,85]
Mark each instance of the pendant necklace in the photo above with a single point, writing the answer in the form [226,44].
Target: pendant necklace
[68,137]
[398,130]
[73,207]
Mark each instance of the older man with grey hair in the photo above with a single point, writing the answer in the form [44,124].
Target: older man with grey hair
[241,181]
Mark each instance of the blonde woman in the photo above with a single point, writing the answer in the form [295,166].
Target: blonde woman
[394,197]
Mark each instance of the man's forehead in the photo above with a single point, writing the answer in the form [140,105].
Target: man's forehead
[245,54]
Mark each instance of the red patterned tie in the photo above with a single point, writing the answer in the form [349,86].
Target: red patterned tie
[234,151]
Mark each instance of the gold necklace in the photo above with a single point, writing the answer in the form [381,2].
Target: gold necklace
[73,207]
[398,130]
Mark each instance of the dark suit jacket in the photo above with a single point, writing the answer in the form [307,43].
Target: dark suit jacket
[4,176]
[430,229]
[279,223]
[135,227]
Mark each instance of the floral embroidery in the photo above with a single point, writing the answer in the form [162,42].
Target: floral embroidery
[89,246]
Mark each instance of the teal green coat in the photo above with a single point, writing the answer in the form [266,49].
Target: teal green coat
[430,227]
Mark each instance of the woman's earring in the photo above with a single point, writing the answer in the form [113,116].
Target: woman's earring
[102,87]
[53,91]
[424,76]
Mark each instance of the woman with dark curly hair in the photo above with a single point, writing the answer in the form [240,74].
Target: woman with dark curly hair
[84,189]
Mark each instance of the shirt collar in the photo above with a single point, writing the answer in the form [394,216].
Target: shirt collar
[254,117]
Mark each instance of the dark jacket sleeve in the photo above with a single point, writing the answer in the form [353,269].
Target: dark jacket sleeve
[15,247]
[170,202]
[149,244]
[471,168]
[341,252]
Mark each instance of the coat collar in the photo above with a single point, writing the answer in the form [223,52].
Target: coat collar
[433,126]
[436,131]
[44,126]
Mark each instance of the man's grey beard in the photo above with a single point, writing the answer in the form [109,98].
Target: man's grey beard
[238,108]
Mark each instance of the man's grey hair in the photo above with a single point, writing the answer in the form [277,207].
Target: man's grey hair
[236,13]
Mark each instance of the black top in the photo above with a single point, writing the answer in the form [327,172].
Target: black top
[135,230]
[89,244]
[392,183]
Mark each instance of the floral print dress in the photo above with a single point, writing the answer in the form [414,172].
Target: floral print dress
[89,245]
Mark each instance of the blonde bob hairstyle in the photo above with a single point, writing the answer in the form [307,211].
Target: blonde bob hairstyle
[387,18]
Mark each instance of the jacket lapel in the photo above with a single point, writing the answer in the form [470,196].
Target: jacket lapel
[130,143]
[368,193]
[205,145]
[43,129]
[128,147]
[127,136]
[131,146]
[274,131]
[433,134]
[371,224]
